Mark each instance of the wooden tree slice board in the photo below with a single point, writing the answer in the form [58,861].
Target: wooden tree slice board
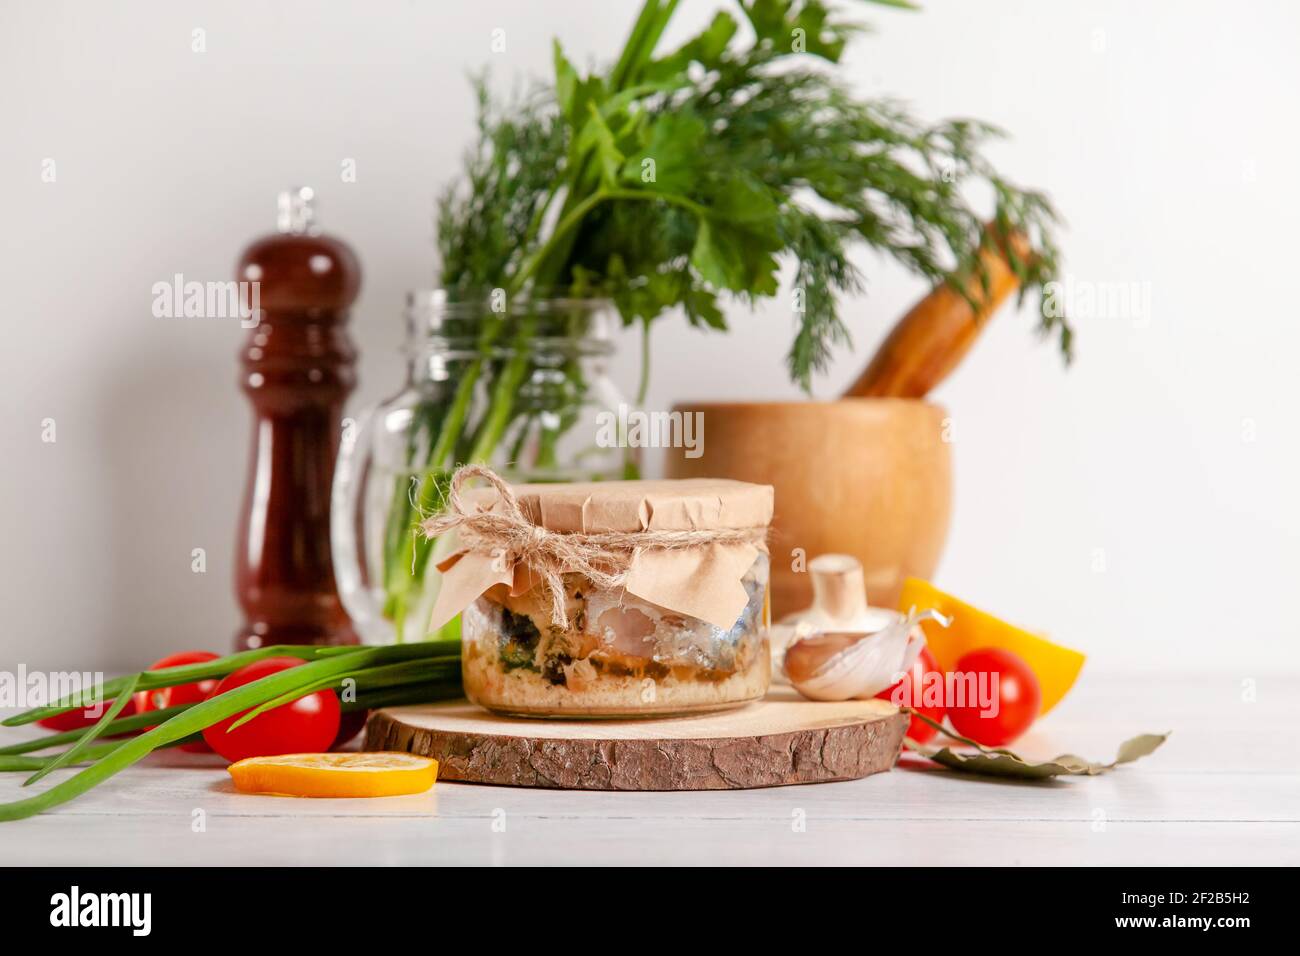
[775,742]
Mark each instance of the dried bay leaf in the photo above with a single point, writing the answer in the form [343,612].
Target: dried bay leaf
[1000,762]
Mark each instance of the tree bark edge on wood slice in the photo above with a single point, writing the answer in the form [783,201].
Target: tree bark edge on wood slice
[646,755]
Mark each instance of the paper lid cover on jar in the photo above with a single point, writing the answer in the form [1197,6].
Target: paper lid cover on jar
[683,545]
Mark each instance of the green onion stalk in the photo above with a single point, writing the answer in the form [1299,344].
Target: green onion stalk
[372,677]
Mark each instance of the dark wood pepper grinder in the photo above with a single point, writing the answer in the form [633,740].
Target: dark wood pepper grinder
[297,369]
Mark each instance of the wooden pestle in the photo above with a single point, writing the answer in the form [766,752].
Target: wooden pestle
[931,339]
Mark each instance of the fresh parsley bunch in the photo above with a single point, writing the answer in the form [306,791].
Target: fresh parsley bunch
[674,179]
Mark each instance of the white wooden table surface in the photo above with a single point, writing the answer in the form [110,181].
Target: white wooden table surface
[1225,789]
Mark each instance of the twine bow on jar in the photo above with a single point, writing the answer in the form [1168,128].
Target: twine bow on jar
[604,558]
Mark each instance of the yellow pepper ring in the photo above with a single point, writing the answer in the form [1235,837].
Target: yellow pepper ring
[335,775]
[1056,667]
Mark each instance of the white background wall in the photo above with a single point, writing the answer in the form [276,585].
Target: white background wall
[1165,131]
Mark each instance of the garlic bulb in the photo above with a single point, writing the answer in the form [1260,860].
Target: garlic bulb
[839,605]
[839,665]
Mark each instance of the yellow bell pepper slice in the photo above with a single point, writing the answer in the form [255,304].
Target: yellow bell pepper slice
[1056,667]
[335,775]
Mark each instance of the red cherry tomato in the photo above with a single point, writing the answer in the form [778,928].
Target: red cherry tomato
[77,719]
[912,695]
[163,697]
[350,724]
[307,725]
[1013,701]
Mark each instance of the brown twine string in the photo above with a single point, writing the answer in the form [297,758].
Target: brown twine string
[604,558]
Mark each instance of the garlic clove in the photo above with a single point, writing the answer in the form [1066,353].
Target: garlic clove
[806,655]
[848,665]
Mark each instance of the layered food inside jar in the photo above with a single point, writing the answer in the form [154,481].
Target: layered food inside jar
[607,599]
[618,654]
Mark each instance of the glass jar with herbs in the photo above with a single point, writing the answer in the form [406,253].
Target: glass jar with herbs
[522,384]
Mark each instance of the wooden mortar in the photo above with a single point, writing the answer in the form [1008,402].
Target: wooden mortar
[870,477]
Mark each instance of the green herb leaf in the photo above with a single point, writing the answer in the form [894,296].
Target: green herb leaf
[670,160]
[1000,762]
[707,49]
[597,138]
[799,26]
[732,256]
[566,83]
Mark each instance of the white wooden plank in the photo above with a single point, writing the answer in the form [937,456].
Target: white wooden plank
[1224,790]
[635,840]
[905,794]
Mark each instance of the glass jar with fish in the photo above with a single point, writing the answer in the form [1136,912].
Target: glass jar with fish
[612,599]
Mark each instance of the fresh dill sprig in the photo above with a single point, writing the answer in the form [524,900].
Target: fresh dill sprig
[670,181]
